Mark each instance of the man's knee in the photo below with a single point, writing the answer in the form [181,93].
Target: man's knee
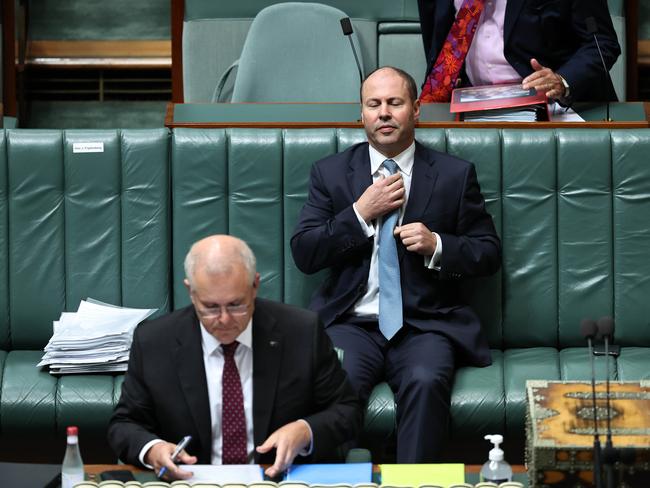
[422,380]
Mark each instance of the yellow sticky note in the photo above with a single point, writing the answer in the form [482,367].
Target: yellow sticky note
[422,474]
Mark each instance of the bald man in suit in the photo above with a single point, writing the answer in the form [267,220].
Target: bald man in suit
[296,404]
[443,237]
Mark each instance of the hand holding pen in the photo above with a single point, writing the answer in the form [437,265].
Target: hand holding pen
[175,455]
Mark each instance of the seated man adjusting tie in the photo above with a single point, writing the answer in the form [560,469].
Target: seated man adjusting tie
[399,227]
[226,371]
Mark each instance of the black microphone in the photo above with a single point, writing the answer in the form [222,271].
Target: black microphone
[346,25]
[606,331]
[592,28]
[589,329]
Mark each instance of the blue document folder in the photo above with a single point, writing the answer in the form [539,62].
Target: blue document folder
[327,474]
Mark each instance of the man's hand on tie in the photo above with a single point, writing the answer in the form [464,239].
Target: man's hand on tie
[417,238]
[544,79]
[383,196]
[288,441]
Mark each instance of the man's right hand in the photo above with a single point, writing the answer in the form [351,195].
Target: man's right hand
[160,454]
[383,196]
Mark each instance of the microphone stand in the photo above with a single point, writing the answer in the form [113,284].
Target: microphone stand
[610,452]
[346,26]
[598,483]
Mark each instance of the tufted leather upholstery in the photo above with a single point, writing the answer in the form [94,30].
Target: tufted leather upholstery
[570,206]
[73,225]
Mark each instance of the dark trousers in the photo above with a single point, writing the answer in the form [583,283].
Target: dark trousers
[418,366]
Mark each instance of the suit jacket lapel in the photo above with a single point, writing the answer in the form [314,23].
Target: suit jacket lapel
[423,179]
[359,175]
[267,354]
[513,7]
[188,359]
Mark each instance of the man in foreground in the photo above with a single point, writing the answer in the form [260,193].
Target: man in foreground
[249,379]
[392,300]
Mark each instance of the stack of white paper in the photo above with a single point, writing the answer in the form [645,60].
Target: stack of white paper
[95,338]
[509,114]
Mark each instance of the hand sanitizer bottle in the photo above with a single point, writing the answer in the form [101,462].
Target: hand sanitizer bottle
[72,469]
[496,469]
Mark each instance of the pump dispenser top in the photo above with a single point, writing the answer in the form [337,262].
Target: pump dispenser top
[496,469]
[496,454]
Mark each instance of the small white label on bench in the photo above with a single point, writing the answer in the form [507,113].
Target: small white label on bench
[87,147]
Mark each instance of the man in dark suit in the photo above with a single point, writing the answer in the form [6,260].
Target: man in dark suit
[445,235]
[293,395]
[546,43]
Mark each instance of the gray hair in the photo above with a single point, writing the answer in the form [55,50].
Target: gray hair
[220,258]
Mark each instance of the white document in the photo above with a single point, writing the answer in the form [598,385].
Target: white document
[97,337]
[222,474]
[559,113]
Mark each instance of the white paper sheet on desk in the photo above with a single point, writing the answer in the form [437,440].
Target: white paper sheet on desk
[558,113]
[222,474]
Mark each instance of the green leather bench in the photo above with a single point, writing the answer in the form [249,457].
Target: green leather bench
[570,205]
[73,225]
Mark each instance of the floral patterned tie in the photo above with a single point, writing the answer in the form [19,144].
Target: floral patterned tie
[444,74]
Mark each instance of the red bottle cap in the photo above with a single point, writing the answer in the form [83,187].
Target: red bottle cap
[72,430]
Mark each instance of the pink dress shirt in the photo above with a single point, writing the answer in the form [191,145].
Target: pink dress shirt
[485,63]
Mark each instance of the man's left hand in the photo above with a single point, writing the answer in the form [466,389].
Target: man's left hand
[544,79]
[417,238]
[288,441]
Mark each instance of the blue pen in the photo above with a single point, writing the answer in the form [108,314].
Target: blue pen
[181,445]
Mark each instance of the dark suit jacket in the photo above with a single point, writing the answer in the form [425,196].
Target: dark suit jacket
[552,31]
[296,374]
[445,196]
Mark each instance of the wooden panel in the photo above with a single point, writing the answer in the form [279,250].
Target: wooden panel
[152,54]
[178,14]
[8,59]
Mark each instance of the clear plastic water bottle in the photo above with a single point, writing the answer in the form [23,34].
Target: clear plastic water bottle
[496,469]
[72,469]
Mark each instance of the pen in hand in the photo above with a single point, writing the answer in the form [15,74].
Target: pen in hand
[181,445]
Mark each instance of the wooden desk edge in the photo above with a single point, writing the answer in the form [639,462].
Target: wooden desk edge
[95,469]
[636,124]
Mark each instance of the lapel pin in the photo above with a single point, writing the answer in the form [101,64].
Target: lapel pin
[273,343]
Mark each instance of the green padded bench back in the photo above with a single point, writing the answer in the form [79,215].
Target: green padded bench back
[80,224]
[214,33]
[74,225]
[570,206]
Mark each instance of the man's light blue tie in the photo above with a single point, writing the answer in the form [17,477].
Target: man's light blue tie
[390,288]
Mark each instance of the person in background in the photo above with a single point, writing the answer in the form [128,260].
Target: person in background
[249,379]
[545,44]
[399,227]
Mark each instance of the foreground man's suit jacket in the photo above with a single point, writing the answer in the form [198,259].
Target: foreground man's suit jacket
[296,374]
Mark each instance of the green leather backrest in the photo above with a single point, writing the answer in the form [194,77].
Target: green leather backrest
[295,34]
[370,9]
[214,34]
[76,225]
[569,205]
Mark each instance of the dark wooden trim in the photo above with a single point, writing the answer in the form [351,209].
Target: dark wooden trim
[169,114]
[637,124]
[631,46]
[422,125]
[8,59]
[178,15]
